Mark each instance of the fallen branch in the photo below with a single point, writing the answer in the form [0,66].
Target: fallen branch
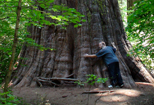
[39,81]
[54,81]
[65,79]
[144,83]
[69,76]
[97,91]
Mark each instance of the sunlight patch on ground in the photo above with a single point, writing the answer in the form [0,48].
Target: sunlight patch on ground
[127,92]
[116,98]
[119,95]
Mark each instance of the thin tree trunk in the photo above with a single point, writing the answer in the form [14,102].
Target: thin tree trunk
[130,3]
[8,76]
[103,23]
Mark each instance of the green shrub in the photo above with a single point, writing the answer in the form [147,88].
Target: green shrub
[10,100]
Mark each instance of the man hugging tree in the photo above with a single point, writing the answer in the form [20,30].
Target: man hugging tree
[107,53]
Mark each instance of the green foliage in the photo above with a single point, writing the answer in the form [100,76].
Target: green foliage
[7,24]
[79,83]
[37,13]
[10,100]
[141,32]
[91,80]
[101,80]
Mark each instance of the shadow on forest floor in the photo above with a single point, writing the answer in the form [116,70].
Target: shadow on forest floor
[142,95]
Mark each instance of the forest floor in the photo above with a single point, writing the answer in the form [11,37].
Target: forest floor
[143,94]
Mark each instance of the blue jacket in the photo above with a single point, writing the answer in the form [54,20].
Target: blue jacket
[108,55]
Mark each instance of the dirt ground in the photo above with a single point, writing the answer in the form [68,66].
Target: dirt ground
[142,95]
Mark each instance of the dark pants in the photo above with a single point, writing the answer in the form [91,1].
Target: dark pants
[114,73]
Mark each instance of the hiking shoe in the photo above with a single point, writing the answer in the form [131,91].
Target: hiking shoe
[110,86]
[122,85]
[117,86]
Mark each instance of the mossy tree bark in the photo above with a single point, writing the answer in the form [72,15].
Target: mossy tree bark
[104,23]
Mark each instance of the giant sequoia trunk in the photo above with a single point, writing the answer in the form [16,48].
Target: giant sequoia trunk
[104,23]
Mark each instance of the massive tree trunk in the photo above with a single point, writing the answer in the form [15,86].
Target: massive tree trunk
[104,23]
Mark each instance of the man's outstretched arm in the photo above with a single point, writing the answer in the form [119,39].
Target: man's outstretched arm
[90,56]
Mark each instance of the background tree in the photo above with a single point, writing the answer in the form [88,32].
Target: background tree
[130,3]
[140,29]
[15,41]
[103,23]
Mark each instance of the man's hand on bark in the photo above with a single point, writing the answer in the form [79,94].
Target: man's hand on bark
[85,55]
[113,44]
[89,56]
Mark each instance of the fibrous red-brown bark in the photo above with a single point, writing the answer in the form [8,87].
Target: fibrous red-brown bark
[104,23]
